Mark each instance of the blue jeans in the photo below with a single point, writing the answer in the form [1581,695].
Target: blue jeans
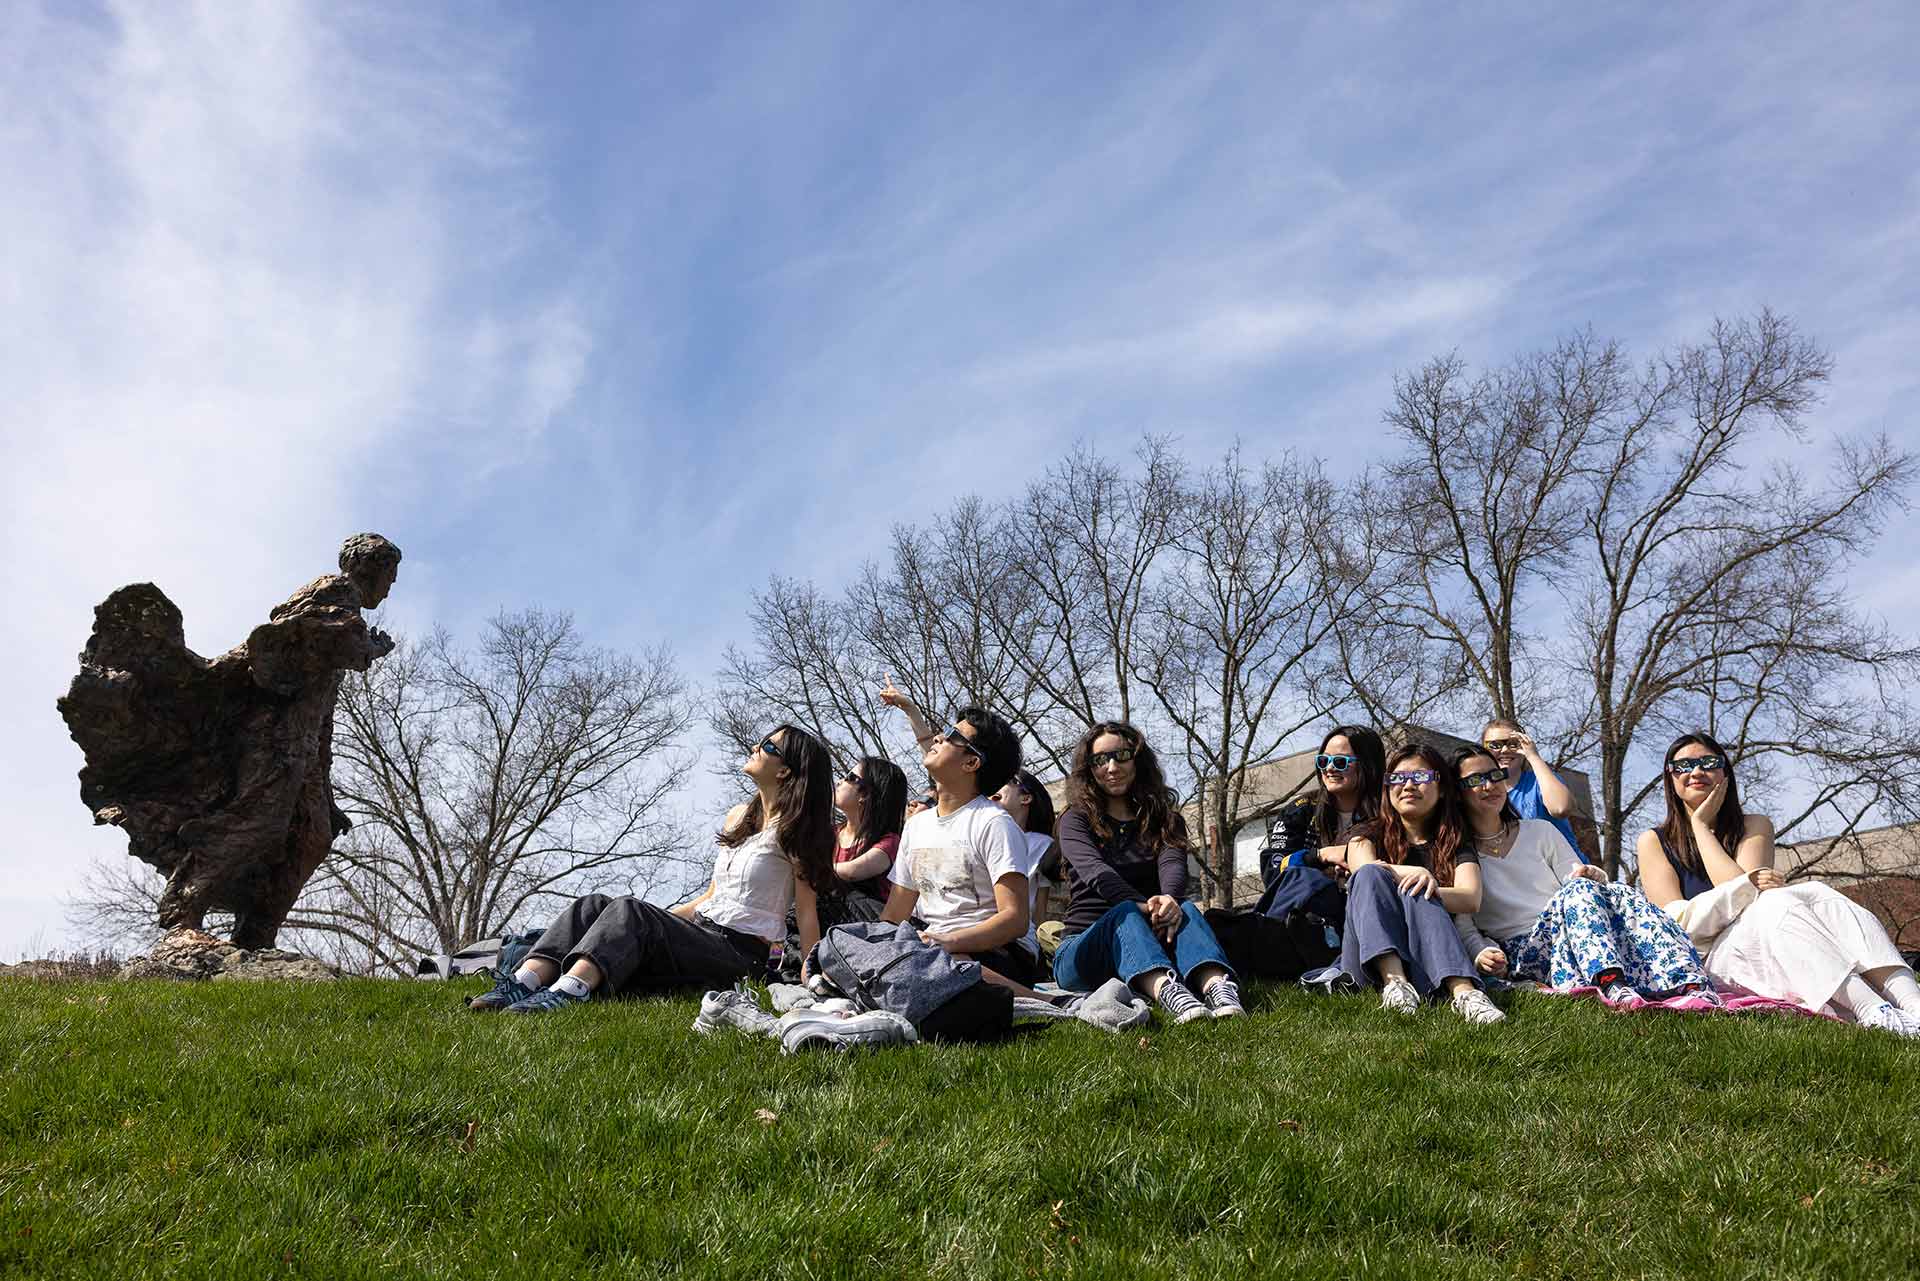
[1380,919]
[1122,945]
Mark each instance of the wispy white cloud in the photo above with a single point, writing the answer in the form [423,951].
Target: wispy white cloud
[240,322]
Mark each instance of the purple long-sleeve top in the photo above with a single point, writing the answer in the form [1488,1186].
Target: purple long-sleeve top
[1101,874]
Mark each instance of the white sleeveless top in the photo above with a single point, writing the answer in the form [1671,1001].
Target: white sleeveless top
[752,888]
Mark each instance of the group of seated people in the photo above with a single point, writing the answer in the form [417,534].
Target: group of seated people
[1444,870]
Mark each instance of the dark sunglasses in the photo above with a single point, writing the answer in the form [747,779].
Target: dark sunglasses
[1411,777]
[1119,756]
[1688,764]
[1484,777]
[1502,745]
[964,743]
[1339,763]
[855,779]
[771,748]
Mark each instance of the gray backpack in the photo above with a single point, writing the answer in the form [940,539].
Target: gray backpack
[887,967]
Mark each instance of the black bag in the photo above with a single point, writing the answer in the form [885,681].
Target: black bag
[886,967]
[1278,948]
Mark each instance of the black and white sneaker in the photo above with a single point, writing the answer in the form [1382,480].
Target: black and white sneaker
[1181,1005]
[1223,998]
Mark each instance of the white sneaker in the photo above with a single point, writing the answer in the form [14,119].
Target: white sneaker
[1398,995]
[806,1029]
[1476,1006]
[1890,1018]
[734,1009]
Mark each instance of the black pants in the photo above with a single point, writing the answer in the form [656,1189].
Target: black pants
[1010,962]
[838,909]
[642,947]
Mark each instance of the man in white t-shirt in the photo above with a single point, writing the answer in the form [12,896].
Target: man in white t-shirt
[963,865]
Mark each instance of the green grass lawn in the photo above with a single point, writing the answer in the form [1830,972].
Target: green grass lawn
[369,1128]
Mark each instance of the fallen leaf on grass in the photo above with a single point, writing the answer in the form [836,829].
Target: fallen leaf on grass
[1057,1218]
[1143,1042]
[766,1116]
[1806,1203]
[1290,1125]
[466,1140]
[881,1144]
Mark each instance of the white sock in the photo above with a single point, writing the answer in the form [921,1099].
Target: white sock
[1857,997]
[529,977]
[1899,985]
[572,986]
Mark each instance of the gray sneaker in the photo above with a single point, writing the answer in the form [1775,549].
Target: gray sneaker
[1178,1000]
[736,1009]
[806,1030]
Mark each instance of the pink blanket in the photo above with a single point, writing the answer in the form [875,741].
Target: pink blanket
[1732,1000]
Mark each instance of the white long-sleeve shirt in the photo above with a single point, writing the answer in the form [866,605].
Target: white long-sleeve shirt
[1515,889]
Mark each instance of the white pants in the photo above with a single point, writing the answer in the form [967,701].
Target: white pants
[1799,943]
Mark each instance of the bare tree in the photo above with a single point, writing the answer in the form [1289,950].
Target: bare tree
[1688,563]
[1089,537]
[483,784]
[1587,541]
[1026,607]
[809,665]
[1233,634]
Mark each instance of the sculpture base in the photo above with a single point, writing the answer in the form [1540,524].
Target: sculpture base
[194,955]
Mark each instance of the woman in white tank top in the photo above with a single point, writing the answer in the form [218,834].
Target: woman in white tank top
[774,853]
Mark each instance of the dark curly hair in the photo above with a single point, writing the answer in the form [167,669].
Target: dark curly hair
[1154,804]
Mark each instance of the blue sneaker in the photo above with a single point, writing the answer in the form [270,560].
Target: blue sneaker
[547,998]
[506,991]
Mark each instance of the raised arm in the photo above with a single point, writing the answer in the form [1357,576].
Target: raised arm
[1754,851]
[894,697]
[1554,794]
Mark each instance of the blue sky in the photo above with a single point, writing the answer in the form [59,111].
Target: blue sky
[617,309]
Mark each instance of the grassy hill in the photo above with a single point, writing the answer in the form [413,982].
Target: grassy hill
[371,1128]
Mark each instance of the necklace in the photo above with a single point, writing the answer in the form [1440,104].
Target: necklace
[1495,846]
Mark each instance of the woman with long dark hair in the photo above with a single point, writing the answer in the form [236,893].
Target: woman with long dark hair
[873,796]
[1305,862]
[1545,915]
[1712,862]
[1125,849]
[774,852]
[1412,867]
[1026,800]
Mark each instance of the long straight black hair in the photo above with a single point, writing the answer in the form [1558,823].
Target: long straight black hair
[886,809]
[804,804]
[1729,825]
[1040,817]
[1460,757]
[1371,756]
